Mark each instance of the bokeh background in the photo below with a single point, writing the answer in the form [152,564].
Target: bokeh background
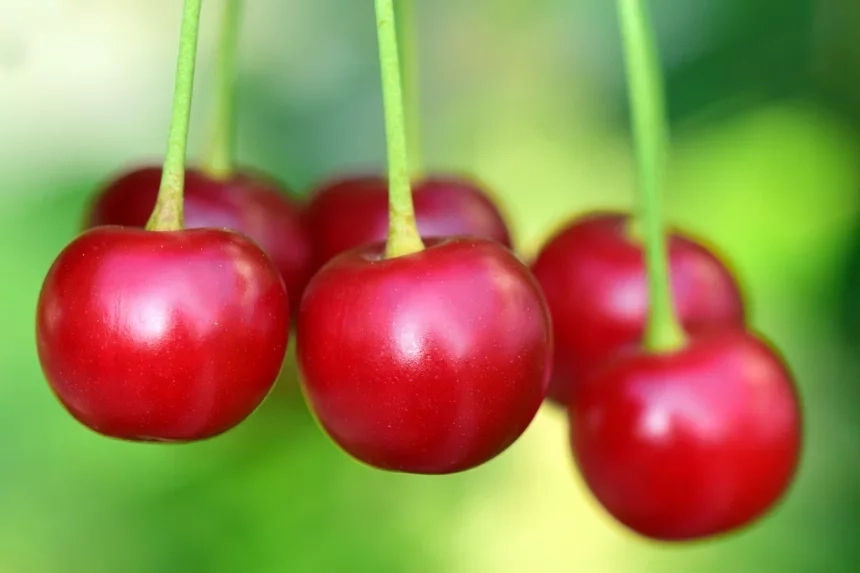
[526,95]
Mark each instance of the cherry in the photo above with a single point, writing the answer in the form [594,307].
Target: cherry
[692,433]
[248,203]
[423,357]
[217,194]
[432,362]
[162,336]
[351,212]
[594,277]
[691,443]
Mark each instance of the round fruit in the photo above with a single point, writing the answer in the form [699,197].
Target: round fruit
[433,362]
[593,275]
[691,443]
[247,203]
[353,212]
[162,336]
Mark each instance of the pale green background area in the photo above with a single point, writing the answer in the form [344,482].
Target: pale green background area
[525,96]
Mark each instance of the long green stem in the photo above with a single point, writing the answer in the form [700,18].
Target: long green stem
[403,237]
[663,331]
[167,214]
[407,36]
[221,156]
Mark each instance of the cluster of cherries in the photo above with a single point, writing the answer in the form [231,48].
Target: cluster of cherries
[429,358]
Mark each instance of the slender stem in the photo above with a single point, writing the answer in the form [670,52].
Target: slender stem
[167,214]
[221,156]
[663,331]
[403,237]
[407,35]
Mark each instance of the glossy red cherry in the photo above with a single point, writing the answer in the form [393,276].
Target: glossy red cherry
[249,204]
[352,212]
[433,362]
[162,336]
[593,275]
[691,443]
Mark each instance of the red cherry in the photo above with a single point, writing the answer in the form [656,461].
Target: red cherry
[433,362]
[162,336]
[249,204]
[691,443]
[593,275]
[352,212]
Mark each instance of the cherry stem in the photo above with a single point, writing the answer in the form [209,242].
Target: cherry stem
[663,332]
[407,35]
[403,236]
[167,214]
[220,160]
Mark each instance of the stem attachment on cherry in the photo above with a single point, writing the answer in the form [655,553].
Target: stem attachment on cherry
[221,154]
[403,236]
[663,332]
[167,214]
[408,39]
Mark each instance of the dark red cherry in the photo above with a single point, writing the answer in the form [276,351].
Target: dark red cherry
[162,336]
[691,443]
[593,275]
[352,212]
[433,362]
[247,203]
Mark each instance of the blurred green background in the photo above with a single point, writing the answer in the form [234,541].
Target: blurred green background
[528,96]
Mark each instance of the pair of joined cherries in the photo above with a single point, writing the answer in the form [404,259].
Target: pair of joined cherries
[682,444]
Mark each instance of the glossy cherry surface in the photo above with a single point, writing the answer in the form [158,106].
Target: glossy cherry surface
[354,211]
[593,275]
[247,203]
[433,362]
[691,443]
[162,336]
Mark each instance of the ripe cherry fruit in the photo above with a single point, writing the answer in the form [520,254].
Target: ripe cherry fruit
[247,203]
[594,277]
[691,443]
[421,357]
[352,212]
[432,362]
[692,434]
[162,336]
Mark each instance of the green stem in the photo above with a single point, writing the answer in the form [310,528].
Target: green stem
[651,134]
[221,156]
[407,35]
[167,214]
[403,237]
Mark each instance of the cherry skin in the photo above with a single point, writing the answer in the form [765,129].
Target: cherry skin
[162,336]
[691,443]
[430,363]
[248,203]
[593,275]
[352,212]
